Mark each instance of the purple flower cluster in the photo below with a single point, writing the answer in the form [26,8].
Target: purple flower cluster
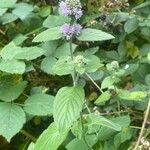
[69,31]
[71,8]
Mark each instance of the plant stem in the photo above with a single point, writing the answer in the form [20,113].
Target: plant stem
[143,126]
[74,72]
[83,135]
[28,135]
[94,83]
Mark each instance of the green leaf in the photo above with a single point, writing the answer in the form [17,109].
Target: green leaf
[67,106]
[77,144]
[9,51]
[105,133]
[31,146]
[10,92]
[103,98]
[94,35]
[148,56]
[63,66]
[12,118]
[64,50]
[136,95]
[102,121]
[2,11]
[48,35]
[39,104]
[54,21]
[123,136]
[12,66]
[51,138]
[7,3]
[8,18]
[147,79]
[22,10]
[30,53]
[47,64]
[131,25]
[107,82]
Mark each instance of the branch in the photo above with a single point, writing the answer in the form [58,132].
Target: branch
[143,126]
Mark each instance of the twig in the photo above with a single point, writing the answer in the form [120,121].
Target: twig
[143,126]
[94,82]
[31,137]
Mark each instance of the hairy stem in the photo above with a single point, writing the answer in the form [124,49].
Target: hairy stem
[28,135]
[143,126]
[74,72]
[94,82]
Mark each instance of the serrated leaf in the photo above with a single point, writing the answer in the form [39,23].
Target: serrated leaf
[12,118]
[12,66]
[63,66]
[30,53]
[9,51]
[48,35]
[102,121]
[108,81]
[51,138]
[67,106]
[131,25]
[89,34]
[39,104]
[9,92]
[54,21]
[7,3]
[103,98]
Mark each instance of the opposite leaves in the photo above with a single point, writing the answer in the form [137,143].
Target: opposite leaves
[67,106]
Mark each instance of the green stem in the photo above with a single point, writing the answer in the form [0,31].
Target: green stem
[94,82]
[83,135]
[74,72]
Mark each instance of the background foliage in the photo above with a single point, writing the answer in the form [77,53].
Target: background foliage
[34,67]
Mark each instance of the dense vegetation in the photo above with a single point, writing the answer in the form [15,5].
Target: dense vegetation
[75,74]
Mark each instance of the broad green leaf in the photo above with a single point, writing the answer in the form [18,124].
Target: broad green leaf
[22,10]
[39,104]
[19,39]
[31,146]
[64,50]
[102,121]
[45,11]
[8,18]
[9,51]
[54,21]
[47,64]
[12,66]
[123,136]
[48,35]
[7,3]
[103,98]
[105,133]
[67,106]
[12,118]
[30,53]
[51,138]
[94,35]
[63,66]
[10,92]
[131,25]
[145,4]
[108,81]
[77,144]
[2,11]
[127,95]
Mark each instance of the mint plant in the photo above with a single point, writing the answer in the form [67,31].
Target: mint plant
[75,74]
